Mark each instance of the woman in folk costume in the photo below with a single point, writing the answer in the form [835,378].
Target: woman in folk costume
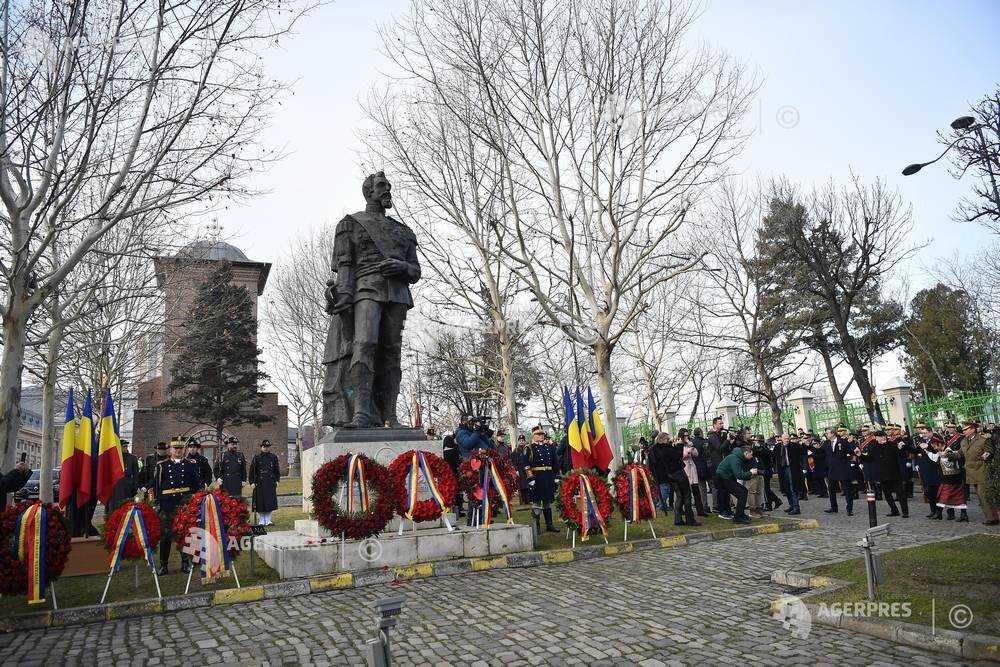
[951,493]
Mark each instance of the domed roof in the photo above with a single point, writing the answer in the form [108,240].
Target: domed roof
[219,250]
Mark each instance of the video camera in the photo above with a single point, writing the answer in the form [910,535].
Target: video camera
[481,424]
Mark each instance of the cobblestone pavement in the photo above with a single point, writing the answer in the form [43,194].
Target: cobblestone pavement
[704,604]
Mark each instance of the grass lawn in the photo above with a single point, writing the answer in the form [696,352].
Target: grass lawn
[86,590]
[286,486]
[964,571]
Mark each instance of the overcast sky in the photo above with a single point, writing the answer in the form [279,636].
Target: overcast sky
[847,85]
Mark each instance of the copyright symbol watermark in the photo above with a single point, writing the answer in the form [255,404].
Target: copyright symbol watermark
[960,616]
[787,117]
[370,550]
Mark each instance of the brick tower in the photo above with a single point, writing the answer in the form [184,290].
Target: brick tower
[178,277]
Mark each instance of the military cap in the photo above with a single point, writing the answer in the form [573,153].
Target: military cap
[265,443]
[951,424]
[232,440]
[970,423]
[537,429]
[193,442]
[160,445]
[843,431]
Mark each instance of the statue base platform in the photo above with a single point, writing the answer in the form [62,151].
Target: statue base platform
[380,444]
[294,554]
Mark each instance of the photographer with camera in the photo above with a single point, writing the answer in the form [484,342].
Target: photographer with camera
[718,448]
[472,434]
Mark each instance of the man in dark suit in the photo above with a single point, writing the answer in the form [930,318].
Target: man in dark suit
[789,465]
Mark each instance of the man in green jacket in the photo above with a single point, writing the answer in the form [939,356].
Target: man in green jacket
[977,450]
[730,470]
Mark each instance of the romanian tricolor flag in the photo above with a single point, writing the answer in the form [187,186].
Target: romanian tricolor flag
[590,514]
[581,457]
[30,530]
[85,455]
[356,471]
[214,557]
[491,477]
[69,476]
[601,448]
[638,480]
[132,524]
[417,466]
[110,463]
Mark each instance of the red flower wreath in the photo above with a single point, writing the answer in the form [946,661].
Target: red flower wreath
[234,515]
[569,487]
[470,475]
[150,519]
[359,525]
[444,479]
[13,572]
[621,492]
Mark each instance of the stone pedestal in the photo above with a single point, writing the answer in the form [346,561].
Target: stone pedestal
[728,410]
[293,554]
[379,444]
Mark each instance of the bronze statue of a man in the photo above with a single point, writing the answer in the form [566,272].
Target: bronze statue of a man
[374,264]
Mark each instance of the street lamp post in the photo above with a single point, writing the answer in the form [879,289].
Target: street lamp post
[964,124]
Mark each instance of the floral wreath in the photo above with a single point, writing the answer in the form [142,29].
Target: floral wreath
[444,480]
[150,519]
[622,492]
[357,525]
[470,475]
[569,488]
[234,515]
[13,572]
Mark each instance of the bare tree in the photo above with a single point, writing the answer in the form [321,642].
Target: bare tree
[295,324]
[604,124]
[977,150]
[115,110]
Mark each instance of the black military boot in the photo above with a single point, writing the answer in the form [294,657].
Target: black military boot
[963,516]
[362,378]
[548,520]
[951,514]
[164,557]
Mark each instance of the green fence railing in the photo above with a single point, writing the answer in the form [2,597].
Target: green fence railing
[982,407]
[851,415]
[761,422]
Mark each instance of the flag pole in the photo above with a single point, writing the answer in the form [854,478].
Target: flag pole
[107,585]
[156,580]
[626,532]
[651,528]
[190,574]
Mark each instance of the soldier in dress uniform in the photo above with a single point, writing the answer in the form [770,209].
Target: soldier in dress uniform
[126,486]
[204,467]
[149,467]
[541,470]
[175,478]
[264,475]
[231,468]
[953,440]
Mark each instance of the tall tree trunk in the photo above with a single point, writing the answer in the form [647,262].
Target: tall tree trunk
[860,374]
[697,404]
[14,341]
[824,353]
[602,355]
[654,411]
[49,444]
[506,374]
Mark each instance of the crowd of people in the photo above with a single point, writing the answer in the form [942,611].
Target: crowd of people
[738,475]
[734,470]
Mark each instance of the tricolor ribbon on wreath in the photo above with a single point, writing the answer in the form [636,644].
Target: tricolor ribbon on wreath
[590,514]
[417,466]
[30,530]
[132,524]
[356,472]
[214,558]
[636,476]
[490,475]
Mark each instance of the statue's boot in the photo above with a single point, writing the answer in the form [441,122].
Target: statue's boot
[361,380]
[387,393]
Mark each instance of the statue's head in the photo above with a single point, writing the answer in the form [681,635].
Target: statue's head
[377,190]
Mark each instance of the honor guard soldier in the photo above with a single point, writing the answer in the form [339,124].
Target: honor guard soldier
[149,468]
[264,475]
[541,471]
[231,469]
[204,467]
[174,480]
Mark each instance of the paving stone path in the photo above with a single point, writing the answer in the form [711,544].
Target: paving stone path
[704,604]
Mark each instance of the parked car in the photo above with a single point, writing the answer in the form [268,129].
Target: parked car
[30,490]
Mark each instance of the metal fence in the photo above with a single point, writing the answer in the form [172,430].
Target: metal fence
[850,415]
[761,422]
[982,407]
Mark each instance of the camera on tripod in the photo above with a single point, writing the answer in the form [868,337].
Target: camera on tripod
[481,424]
